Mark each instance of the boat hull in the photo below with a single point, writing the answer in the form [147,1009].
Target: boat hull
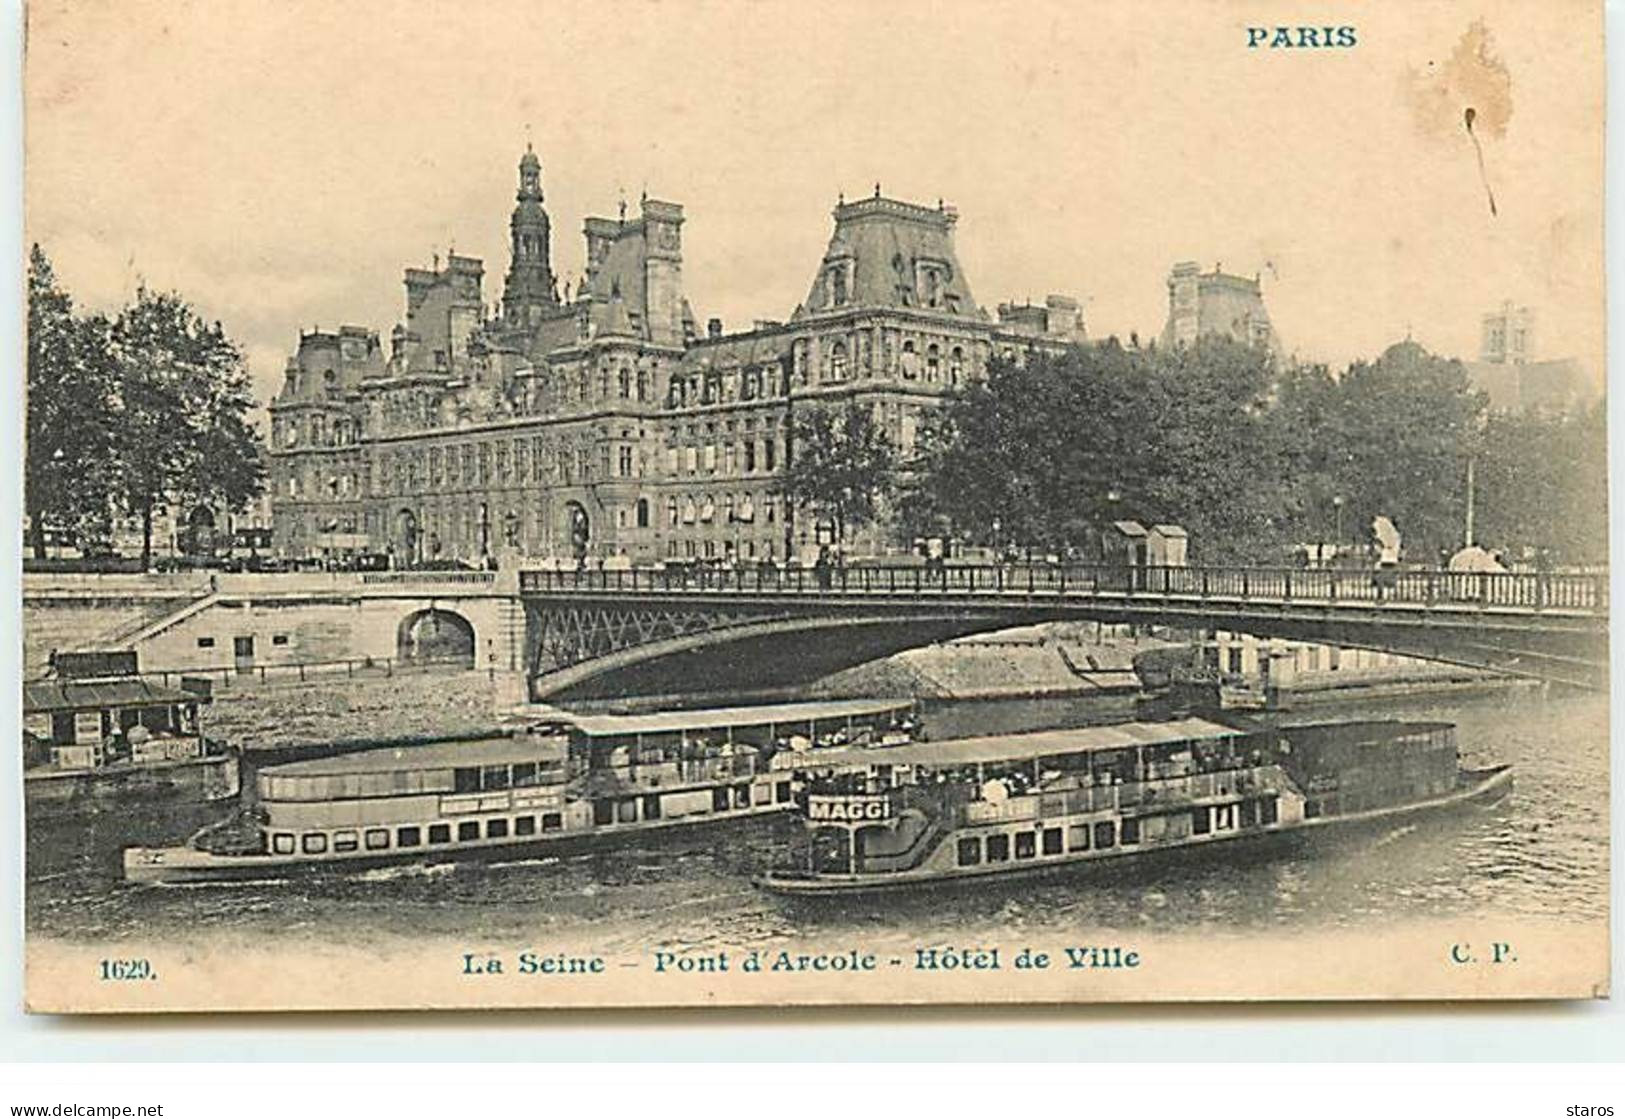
[1475,787]
[188,865]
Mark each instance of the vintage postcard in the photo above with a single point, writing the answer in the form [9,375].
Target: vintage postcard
[561,504]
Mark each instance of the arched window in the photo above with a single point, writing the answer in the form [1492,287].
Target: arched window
[932,363]
[728,507]
[956,366]
[643,512]
[708,511]
[671,511]
[910,361]
[837,361]
[837,285]
[747,508]
[626,383]
[689,511]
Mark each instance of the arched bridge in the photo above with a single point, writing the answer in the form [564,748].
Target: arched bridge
[592,634]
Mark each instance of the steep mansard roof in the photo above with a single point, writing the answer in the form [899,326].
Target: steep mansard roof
[890,246]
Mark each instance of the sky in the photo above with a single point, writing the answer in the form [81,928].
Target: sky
[280,164]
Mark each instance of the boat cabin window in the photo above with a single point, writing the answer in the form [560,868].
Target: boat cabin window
[282,843]
[1105,835]
[1201,822]
[998,848]
[1026,844]
[496,829]
[408,837]
[439,833]
[552,821]
[377,839]
[1077,837]
[314,843]
[467,779]
[346,841]
[524,825]
[1131,831]
[1269,810]
[970,851]
[493,777]
[468,830]
[626,812]
[781,793]
[1052,841]
[524,775]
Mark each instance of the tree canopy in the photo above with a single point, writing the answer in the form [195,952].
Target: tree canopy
[1251,457]
[126,415]
[841,467]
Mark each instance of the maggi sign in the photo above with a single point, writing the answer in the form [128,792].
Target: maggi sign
[848,809]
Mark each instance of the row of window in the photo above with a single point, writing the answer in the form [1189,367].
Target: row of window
[494,778]
[239,647]
[998,848]
[724,458]
[1104,834]
[605,812]
[726,549]
[413,835]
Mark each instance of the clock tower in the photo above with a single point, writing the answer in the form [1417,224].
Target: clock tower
[528,291]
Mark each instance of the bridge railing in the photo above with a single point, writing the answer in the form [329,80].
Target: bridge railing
[1587,591]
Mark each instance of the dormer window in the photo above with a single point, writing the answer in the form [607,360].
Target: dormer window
[837,285]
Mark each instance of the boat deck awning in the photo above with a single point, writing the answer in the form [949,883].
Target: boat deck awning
[45,696]
[787,715]
[1024,747]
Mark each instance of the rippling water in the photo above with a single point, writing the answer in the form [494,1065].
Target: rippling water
[1541,851]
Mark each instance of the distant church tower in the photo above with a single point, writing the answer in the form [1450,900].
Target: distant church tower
[528,290]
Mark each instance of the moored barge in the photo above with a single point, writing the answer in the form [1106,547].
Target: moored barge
[557,781]
[996,807]
[98,742]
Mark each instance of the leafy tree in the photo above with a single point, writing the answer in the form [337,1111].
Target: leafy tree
[69,463]
[1404,429]
[182,433]
[842,466]
[1541,484]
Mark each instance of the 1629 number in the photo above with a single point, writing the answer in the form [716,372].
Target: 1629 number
[127,970]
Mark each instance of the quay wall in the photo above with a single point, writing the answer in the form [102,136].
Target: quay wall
[341,710]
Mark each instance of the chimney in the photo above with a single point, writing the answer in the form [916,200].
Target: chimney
[713,328]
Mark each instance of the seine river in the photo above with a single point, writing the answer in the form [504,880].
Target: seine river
[1542,851]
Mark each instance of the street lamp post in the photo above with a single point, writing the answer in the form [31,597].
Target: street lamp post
[1337,536]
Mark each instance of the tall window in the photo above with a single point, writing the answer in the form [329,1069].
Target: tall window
[643,512]
[837,361]
[956,366]
[932,363]
[671,511]
[837,285]
[624,462]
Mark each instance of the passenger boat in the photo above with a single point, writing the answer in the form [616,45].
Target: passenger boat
[982,808]
[97,739]
[556,781]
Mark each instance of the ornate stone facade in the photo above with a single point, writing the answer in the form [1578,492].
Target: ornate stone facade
[601,423]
